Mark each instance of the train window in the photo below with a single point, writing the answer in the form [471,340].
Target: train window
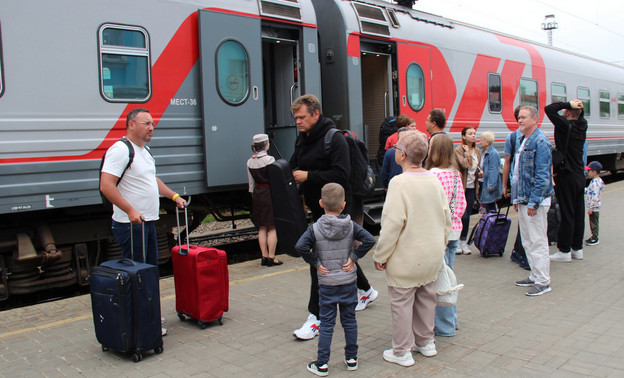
[232,72]
[494,93]
[415,87]
[528,92]
[605,105]
[558,93]
[124,63]
[620,106]
[583,95]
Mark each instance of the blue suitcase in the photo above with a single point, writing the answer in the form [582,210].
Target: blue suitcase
[125,299]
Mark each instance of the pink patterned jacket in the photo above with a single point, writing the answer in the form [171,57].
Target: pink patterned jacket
[447,177]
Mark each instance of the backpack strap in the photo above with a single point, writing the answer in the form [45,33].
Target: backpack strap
[130,158]
[328,139]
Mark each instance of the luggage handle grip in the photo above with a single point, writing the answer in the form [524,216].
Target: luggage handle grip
[127,261]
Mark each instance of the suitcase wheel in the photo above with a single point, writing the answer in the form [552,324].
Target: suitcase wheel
[220,320]
[137,356]
[181,316]
[158,349]
[201,324]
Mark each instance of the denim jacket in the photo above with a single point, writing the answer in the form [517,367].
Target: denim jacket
[535,174]
[491,177]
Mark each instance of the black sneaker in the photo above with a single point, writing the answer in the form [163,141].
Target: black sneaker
[351,363]
[592,241]
[320,370]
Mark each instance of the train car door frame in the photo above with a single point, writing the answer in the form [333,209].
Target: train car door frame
[229,120]
[378,87]
[282,73]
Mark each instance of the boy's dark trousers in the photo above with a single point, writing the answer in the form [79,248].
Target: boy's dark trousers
[332,298]
[594,223]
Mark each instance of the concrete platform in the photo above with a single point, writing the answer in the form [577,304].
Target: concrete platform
[575,330]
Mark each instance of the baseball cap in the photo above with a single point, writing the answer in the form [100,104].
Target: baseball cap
[596,166]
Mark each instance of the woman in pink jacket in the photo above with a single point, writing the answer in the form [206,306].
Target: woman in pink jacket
[442,163]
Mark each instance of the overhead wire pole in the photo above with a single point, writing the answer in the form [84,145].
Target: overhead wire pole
[549,25]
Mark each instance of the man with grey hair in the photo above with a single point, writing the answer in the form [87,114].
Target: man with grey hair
[530,193]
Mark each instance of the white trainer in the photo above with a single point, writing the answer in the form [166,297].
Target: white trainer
[561,257]
[366,297]
[577,255]
[309,329]
[428,350]
[405,360]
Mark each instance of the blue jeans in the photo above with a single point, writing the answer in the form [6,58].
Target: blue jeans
[470,198]
[121,232]
[446,316]
[331,297]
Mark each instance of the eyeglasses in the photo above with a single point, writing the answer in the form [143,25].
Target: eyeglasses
[399,148]
[146,123]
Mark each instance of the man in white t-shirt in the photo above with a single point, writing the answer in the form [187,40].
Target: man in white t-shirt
[531,188]
[135,197]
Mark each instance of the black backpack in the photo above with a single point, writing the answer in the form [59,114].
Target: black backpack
[362,178]
[105,200]
[388,127]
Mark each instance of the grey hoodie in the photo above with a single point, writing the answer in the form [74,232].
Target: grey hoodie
[329,242]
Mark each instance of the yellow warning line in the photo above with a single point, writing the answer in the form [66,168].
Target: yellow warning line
[88,316]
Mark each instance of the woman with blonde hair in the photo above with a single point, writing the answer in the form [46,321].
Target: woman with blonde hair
[490,172]
[468,157]
[442,163]
[415,224]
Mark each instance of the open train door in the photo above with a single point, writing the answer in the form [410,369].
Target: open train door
[378,101]
[231,85]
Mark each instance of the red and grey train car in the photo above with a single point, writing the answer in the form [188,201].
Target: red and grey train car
[215,72]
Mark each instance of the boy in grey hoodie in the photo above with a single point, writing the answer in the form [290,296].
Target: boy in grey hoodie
[328,246]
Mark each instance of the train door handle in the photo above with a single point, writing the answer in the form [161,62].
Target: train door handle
[404,101]
[255,92]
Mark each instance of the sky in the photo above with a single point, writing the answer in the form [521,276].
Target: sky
[594,28]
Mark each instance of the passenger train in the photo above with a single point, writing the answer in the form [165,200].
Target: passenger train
[215,72]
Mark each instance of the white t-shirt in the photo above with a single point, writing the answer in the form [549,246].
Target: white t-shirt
[138,185]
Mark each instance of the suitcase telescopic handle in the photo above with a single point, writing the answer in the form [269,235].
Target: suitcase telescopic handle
[142,239]
[181,251]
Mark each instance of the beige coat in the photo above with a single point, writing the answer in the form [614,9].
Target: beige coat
[463,161]
[415,224]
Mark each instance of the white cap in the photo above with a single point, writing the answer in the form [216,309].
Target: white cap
[259,138]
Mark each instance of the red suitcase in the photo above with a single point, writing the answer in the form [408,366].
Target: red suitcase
[201,281]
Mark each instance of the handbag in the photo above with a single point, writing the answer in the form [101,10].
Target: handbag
[447,287]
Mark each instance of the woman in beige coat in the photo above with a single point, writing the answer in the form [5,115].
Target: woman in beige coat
[415,224]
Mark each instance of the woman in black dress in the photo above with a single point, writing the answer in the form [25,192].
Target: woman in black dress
[262,216]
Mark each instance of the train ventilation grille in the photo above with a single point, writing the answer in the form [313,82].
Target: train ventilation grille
[372,19]
[287,9]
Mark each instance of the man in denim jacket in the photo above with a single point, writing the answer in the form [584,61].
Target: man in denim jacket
[530,192]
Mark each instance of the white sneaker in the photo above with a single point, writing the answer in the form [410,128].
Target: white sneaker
[465,248]
[404,360]
[561,257]
[309,329]
[577,255]
[163,331]
[428,350]
[366,297]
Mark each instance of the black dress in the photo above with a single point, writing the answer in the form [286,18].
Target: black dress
[257,167]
